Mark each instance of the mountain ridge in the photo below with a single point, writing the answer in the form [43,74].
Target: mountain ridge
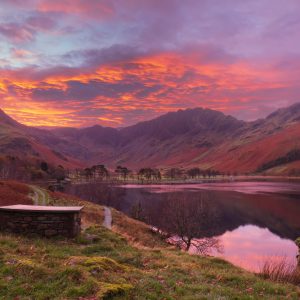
[186,138]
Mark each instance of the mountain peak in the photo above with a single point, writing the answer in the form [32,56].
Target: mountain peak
[286,114]
[190,121]
[7,120]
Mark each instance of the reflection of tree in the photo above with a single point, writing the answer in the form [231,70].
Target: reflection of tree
[137,212]
[100,193]
[191,220]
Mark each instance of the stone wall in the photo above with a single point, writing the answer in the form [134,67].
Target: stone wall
[46,224]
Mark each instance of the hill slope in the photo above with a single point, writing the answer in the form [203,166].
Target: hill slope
[186,138]
[195,137]
[30,143]
[102,264]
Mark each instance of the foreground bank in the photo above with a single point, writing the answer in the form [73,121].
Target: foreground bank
[128,262]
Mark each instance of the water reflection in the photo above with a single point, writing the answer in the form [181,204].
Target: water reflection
[242,187]
[251,223]
[250,246]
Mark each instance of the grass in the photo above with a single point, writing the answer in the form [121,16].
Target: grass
[137,233]
[12,192]
[280,270]
[92,214]
[129,262]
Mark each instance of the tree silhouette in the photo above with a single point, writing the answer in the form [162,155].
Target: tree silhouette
[122,171]
[189,220]
[148,174]
[174,173]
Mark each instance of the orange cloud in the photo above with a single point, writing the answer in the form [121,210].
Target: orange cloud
[123,93]
[92,8]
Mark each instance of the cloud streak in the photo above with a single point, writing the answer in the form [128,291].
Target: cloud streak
[77,63]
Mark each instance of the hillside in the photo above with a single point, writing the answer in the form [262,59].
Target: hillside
[126,263]
[186,138]
[29,143]
[195,137]
[12,192]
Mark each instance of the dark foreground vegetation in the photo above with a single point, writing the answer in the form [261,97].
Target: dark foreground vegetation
[129,262]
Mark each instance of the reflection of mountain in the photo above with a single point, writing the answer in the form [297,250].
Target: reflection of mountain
[279,213]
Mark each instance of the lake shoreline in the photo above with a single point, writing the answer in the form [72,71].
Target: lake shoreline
[278,179]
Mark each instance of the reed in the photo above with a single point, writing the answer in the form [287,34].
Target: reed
[279,269]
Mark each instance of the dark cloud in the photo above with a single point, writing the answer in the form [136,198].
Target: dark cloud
[88,91]
[93,58]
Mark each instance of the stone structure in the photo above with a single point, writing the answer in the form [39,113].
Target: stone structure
[41,220]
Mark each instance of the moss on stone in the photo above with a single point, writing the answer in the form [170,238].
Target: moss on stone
[108,291]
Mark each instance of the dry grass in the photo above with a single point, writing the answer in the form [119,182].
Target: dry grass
[280,270]
[12,192]
[91,215]
[137,233]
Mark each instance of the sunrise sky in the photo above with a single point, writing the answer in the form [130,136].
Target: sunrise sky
[117,62]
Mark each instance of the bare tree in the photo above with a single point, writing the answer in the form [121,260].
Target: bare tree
[123,172]
[149,174]
[190,222]
[174,173]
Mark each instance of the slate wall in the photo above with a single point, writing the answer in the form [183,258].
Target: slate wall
[46,224]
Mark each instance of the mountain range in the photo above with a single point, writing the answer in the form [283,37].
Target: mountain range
[187,138]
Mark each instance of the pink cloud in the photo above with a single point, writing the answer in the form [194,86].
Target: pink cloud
[91,9]
[16,32]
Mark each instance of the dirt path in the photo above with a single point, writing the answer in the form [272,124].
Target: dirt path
[39,196]
[107,218]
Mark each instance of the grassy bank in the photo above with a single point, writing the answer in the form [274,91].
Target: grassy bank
[126,263]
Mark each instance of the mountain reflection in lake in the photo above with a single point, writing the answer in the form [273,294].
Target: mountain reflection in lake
[254,221]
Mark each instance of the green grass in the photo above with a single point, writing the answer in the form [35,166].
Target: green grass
[107,267]
[130,264]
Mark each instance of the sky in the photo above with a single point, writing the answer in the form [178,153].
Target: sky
[78,63]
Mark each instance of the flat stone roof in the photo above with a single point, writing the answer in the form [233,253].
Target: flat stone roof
[39,208]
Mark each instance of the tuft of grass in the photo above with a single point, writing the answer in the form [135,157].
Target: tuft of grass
[280,270]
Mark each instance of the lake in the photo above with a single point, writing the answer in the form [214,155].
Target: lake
[253,221]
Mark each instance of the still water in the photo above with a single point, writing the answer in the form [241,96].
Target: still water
[254,221]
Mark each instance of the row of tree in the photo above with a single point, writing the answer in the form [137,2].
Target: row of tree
[12,167]
[100,172]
